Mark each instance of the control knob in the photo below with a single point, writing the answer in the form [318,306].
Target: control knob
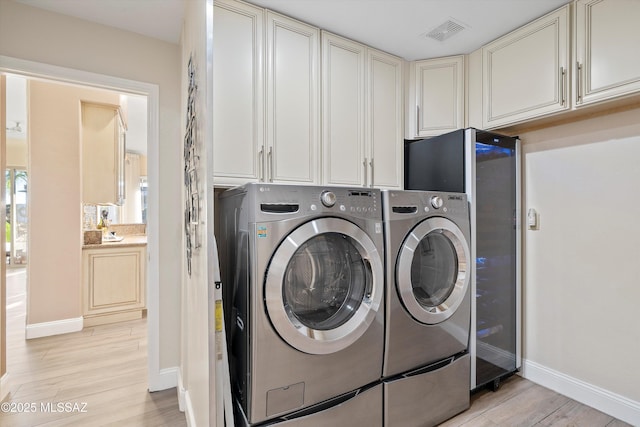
[436,202]
[328,198]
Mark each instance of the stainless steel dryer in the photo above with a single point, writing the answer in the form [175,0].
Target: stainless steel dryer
[428,308]
[304,265]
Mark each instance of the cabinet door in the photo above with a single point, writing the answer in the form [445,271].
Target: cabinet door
[607,49]
[101,151]
[525,72]
[439,92]
[114,280]
[343,109]
[238,101]
[293,101]
[384,119]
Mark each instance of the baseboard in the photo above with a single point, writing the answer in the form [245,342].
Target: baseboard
[57,327]
[188,410]
[181,392]
[603,400]
[4,386]
[163,379]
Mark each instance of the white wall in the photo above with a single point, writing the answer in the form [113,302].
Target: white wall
[37,35]
[582,281]
[194,367]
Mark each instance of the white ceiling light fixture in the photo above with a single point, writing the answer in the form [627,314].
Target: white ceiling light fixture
[445,30]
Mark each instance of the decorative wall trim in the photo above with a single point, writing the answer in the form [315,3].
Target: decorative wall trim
[57,327]
[603,400]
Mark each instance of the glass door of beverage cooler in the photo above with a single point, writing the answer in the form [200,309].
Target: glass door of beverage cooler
[497,254]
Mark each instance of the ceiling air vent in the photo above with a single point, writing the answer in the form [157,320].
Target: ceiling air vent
[446,30]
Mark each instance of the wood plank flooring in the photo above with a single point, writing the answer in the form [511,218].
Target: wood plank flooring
[519,402]
[100,373]
[95,377]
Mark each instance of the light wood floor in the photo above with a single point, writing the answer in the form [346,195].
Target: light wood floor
[105,368]
[101,370]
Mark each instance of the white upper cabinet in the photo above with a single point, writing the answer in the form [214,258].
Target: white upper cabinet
[526,72]
[343,111]
[361,114]
[607,54]
[238,101]
[438,88]
[293,101]
[384,120]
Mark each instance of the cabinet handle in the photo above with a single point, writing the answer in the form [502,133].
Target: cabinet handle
[270,164]
[417,120]
[579,84]
[371,166]
[364,165]
[261,164]
[563,76]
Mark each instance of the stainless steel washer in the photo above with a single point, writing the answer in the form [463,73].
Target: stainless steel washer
[428,307]
[305,265]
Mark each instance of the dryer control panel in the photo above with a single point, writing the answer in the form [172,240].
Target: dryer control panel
[430,203]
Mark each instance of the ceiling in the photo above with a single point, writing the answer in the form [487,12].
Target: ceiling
[400,26]
[395,26]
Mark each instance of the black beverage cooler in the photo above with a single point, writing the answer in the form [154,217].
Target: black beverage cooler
[485,166]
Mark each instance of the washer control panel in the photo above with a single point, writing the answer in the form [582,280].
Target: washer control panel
[363,203]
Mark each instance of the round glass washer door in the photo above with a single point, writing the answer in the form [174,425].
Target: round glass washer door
[324,285]
[433,270]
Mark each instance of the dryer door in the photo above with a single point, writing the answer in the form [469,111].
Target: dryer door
[433,270]
[324,285]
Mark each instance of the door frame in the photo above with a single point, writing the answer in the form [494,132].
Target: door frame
[157,379]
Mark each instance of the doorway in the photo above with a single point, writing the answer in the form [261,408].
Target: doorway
[157,378]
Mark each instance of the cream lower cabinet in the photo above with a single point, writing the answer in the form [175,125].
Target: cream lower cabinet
[526,72]
[607,50]
[438,91]
[114,284]
[361,114]
[103,152]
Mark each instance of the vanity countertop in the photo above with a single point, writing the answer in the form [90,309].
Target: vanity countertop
[127,241]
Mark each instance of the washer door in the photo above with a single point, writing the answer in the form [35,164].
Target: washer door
[324,285]
[433,270]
